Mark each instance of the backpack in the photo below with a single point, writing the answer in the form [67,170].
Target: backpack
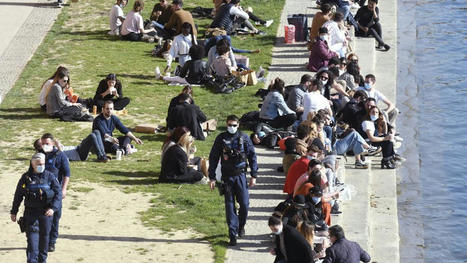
[249,120]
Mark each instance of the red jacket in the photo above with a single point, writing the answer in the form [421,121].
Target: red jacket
[299,167]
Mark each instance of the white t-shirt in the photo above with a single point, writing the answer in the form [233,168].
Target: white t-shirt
[44,90]
[114,21]
[133,22]
[375,94]
[368,125]
[313,101]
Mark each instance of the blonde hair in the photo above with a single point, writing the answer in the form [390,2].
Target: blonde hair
[186,141]
[307,229]
[313,129]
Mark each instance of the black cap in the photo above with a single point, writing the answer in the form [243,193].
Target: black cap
[299,200]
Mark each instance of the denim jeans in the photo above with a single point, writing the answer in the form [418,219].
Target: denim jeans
[345,10]
[353,141]
[92,142]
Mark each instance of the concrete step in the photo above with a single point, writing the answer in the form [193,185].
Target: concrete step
[384,227]
[365,49]
[355,213]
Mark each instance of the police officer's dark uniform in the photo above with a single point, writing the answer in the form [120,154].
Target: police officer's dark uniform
[57,163]
[40,191]
[234,150]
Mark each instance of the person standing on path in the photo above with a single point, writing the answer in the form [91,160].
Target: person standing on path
[42,196]
[57,163]
[233,148]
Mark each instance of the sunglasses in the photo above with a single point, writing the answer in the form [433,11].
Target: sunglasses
[65,80]
[354,60]
[232,125]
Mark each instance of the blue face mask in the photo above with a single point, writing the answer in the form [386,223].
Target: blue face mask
[367,86]
[316,199]
[373,117]
[40,168]
[261,134]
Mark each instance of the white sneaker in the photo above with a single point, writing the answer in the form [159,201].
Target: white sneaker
[269,23]
[257,23]
[398,139]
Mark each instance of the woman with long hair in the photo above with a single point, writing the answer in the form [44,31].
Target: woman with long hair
[57,103]
[176,166]
[133,25]
[46,85]
[376,130]
[274,110]
[110,88]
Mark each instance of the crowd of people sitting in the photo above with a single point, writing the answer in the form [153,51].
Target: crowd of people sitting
[333,113]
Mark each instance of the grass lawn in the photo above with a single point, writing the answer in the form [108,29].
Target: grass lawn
[79,41]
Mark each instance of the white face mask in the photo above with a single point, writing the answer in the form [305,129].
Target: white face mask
[278,231]
[324,82]
[373,117]
[310,157]
[40,168]
[316,199]
[47,148]
[232,129]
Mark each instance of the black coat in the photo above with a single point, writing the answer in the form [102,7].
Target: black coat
[297,248]
[187,115]
[345,251]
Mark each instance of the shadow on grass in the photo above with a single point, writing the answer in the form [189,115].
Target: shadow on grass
[133,76]
[147,181]
[23,117]
[137,174]
[12,248]
[158,137]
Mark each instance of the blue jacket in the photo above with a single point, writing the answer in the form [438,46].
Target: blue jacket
[57,163]
[30,182]
[345,251]
[273,106]
[217,148]
[108,126]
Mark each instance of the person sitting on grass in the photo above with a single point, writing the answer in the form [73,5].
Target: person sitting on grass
[176,166]
[222,66]
[274,110]
[194,71]
[212,41]
[187,115]
[179,16]
[320,52]
[133,26]
[93,142]
[110,88]
[212,54]
[106,123]
[57,103]
[117,17]
[180,47]
[160,15]
[231,17]
[175,100]
[48,84]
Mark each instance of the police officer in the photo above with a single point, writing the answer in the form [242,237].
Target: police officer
[57,163]
[42,193]
[234,148]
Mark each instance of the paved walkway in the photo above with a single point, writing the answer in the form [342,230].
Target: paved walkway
[24,24]
[288,63]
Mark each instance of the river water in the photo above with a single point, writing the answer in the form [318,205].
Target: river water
[432,96]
